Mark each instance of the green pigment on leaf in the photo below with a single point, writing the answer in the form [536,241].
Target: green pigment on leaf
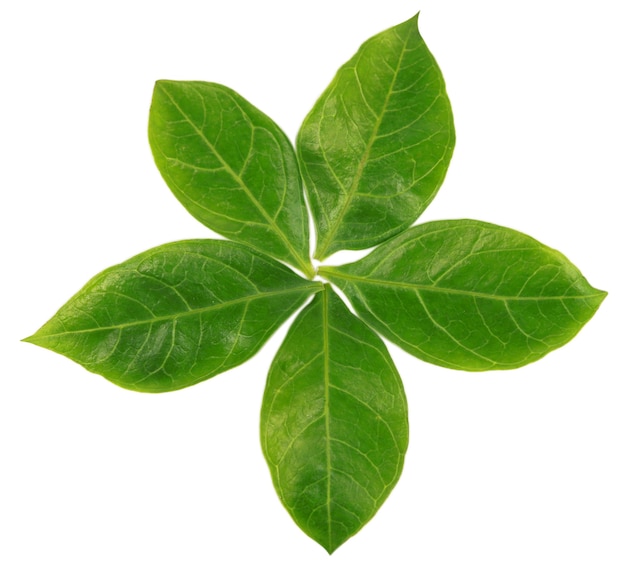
[371,155]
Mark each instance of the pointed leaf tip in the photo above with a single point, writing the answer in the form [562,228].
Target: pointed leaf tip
[469,295]
[235,171]
[176,315]
[377,144]
[334,424]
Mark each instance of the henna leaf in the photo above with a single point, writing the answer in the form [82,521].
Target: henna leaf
[334,426]
[376,146]
[469,295]
[231,166]
[175,315]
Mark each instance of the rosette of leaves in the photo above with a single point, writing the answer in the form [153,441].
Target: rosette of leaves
[370,155]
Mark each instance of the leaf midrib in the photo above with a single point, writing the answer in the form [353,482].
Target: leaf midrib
[329,272]
[177,316]
[306,268]
[325,339]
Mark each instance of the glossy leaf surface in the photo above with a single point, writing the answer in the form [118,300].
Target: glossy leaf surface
[334,426]
[469,295]
[231,167]
[175,315]
[376,146]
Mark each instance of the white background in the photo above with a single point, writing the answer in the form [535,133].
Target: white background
[506,467]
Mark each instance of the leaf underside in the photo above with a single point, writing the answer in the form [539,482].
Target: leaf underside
[231,167]
[469,295]
[334,426]
[175,315]
[377,144]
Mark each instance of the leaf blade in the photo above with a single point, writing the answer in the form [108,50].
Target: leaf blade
[231,167]
[334,422]
[175,315]
[469,295]
[376,146]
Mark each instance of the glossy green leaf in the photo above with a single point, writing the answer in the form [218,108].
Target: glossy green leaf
[231,166]
[469,295]
[376,146]
[334,426]
[373,152]
[175,315]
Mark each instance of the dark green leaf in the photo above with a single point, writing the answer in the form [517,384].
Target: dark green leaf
[334,426]
[175,315]
[469,295]
[231,167]
[376,146]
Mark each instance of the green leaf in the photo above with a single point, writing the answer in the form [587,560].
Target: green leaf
[376,146]
[469,295]
[231,166]
[334,426]
[176,314]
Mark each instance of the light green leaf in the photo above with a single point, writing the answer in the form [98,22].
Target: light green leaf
[469,295]
[376,146]
[334,426]
[175,315]
[231,166]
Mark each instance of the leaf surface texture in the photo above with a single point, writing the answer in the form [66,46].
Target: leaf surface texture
[334,426]
[175,315]
[376,146]
[231,166]
[469,295]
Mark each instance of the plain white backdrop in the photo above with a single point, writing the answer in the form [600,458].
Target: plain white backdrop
[505,467]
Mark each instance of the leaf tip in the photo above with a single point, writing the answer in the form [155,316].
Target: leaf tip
[599,296]
[161,84]
[32,339]
[35,339]
[330,547]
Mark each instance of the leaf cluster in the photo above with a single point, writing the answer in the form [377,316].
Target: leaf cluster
[370,157]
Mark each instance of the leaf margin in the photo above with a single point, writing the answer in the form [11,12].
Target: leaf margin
[326,296]
[341,276]
[43,336]
[297,252]
[325,245]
